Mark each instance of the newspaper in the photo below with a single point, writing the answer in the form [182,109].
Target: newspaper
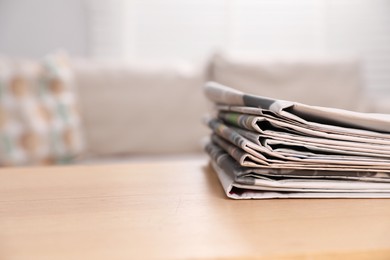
[267,148]
[251,183]
[220,94]
[292,152]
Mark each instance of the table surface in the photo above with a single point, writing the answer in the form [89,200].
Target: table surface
[175,210]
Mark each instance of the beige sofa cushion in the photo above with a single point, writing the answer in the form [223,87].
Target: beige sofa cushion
[140,108]
[313,81]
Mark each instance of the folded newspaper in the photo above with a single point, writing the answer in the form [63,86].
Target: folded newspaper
[265,148]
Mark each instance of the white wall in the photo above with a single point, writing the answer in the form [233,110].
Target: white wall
[193,29]
[32,28]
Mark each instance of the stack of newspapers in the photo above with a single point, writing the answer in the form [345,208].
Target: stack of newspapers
[266,148]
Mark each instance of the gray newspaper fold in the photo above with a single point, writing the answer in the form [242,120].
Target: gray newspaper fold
[266,148]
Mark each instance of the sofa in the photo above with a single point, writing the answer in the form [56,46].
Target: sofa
[145,109]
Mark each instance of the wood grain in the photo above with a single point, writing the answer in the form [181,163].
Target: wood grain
[175,210]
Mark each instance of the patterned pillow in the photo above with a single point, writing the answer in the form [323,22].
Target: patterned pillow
[39,120]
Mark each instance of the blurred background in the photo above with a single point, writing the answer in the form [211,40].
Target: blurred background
[95,81]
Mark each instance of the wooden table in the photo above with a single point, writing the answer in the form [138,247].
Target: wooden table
[175,210]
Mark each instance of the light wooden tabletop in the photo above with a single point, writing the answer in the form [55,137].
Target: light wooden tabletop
[175,210]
